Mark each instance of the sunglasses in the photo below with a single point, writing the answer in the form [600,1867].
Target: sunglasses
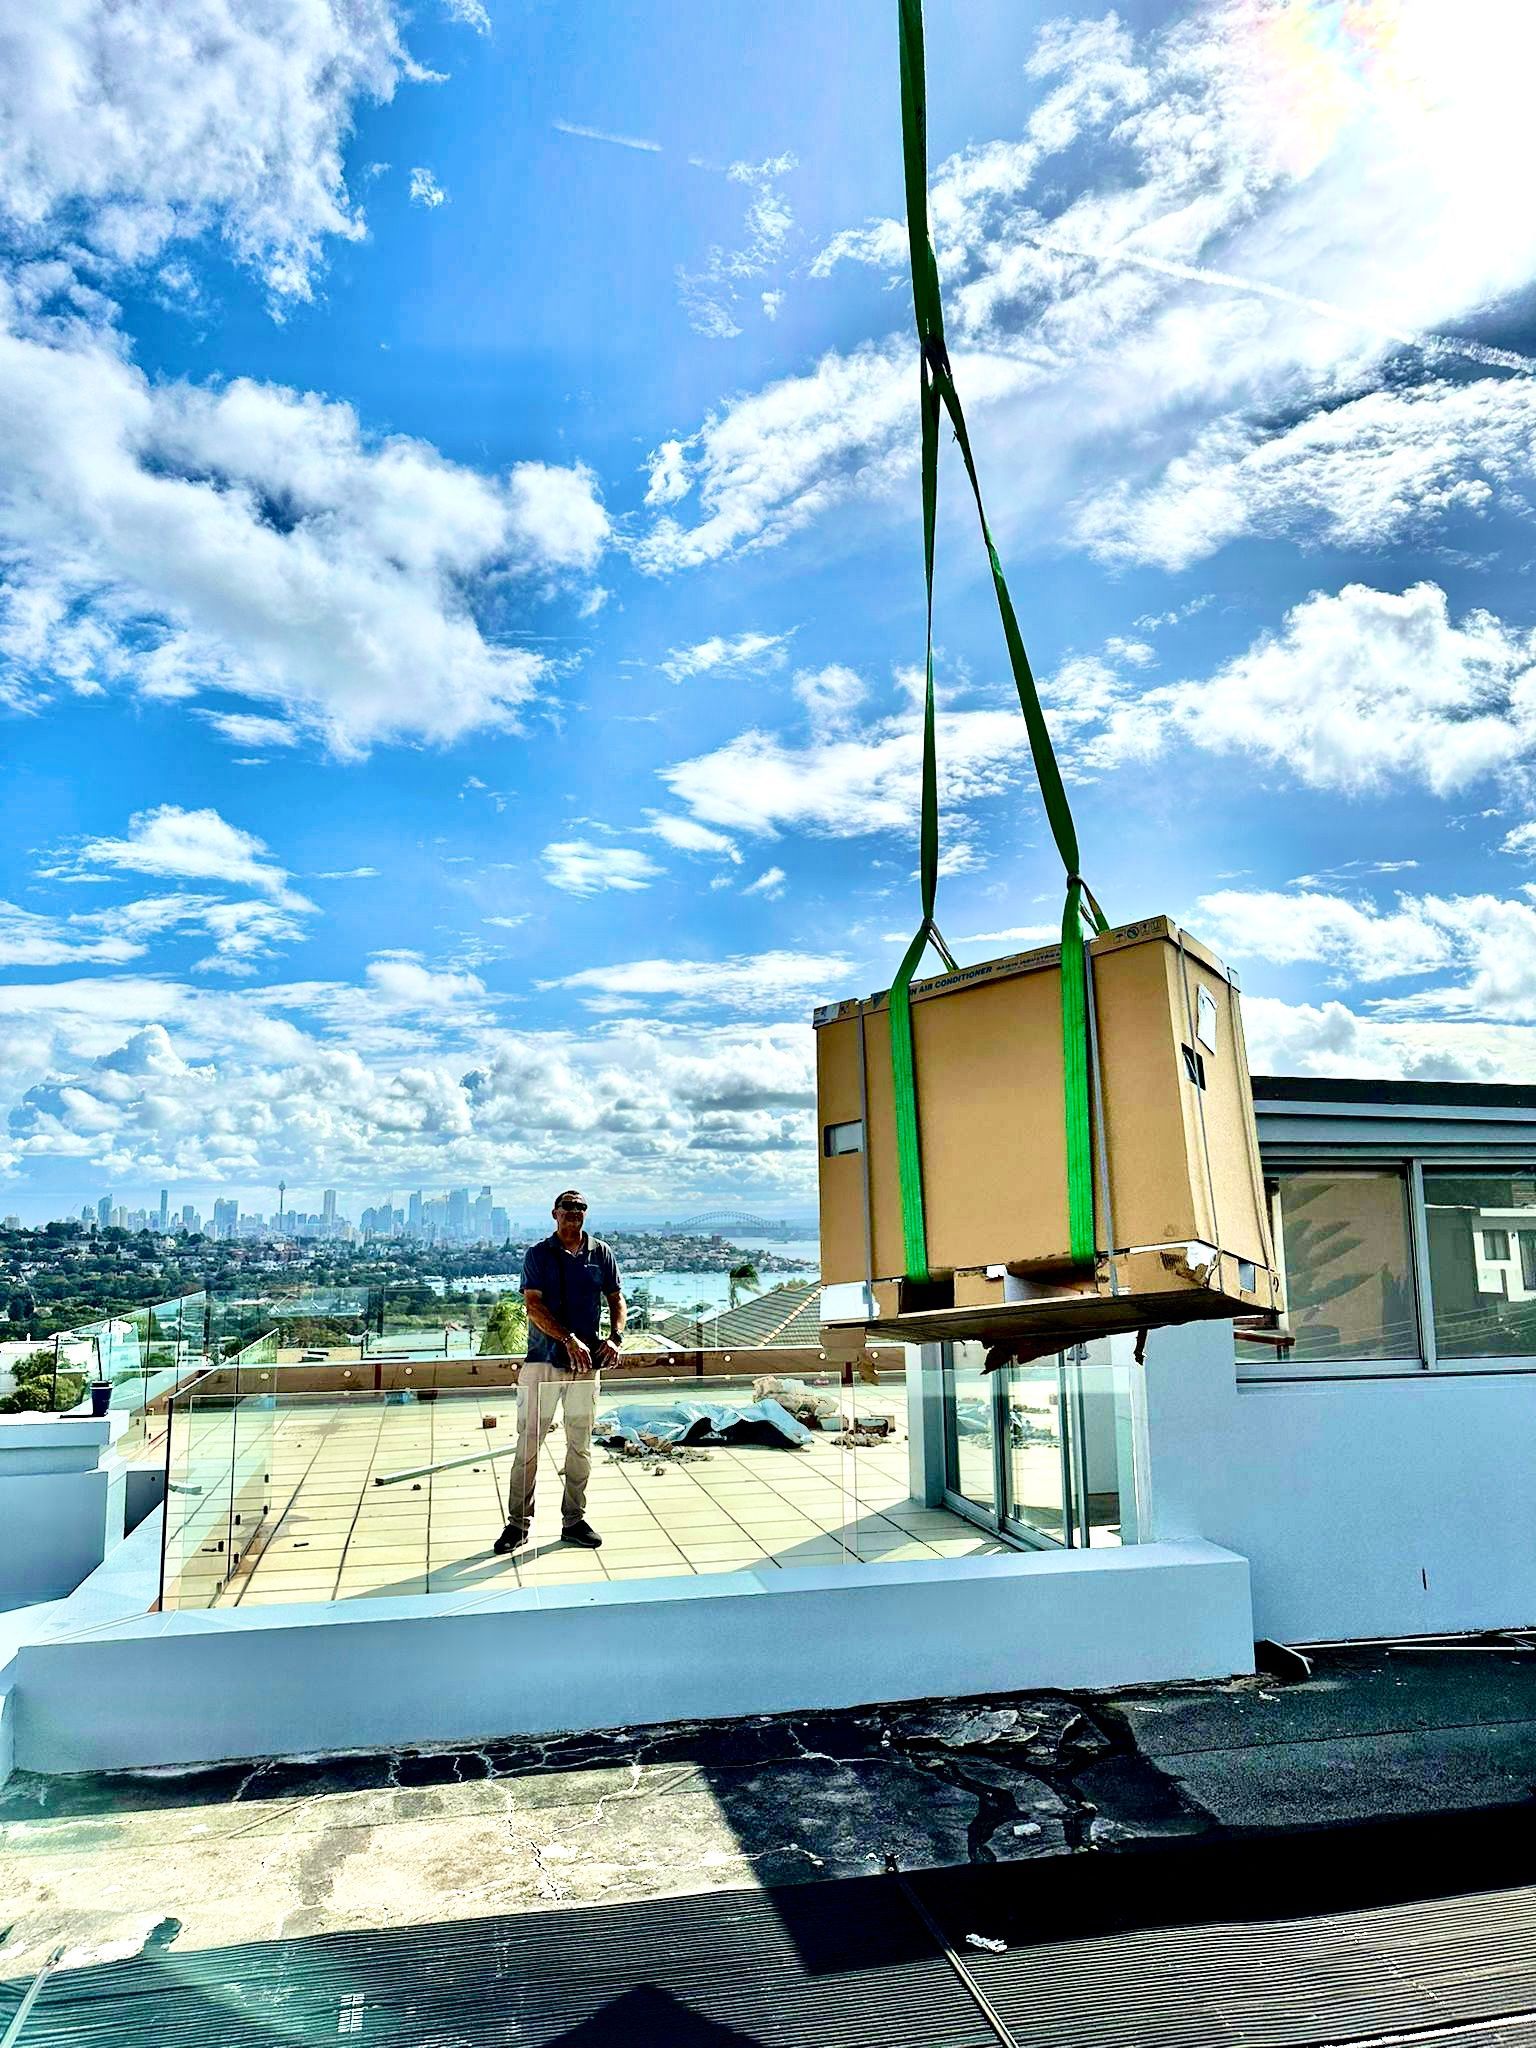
[573,1208]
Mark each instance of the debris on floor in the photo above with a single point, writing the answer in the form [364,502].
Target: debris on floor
[651,1451]
[808,1405]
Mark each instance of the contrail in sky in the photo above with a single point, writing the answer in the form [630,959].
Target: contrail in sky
[602,135]
[1190,273]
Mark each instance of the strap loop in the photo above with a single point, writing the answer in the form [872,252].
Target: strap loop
[937,394]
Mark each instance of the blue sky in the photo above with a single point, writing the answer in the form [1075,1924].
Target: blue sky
[460,586]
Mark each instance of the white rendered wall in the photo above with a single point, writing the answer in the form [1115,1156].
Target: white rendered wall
[459,1668]
[55,1529]
[1365,1507]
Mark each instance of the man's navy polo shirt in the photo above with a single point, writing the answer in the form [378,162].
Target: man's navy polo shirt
[573,1285]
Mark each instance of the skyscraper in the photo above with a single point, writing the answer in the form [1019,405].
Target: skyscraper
[165,1208]
[104,1211]
[413,1221]
[458,1213]
[328,1211]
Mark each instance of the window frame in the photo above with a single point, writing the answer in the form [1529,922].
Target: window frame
[1273,1364]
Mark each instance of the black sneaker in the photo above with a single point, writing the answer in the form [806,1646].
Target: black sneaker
[583,1533]
[513,1537]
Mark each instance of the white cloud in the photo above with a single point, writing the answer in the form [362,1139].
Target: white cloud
[1135,652]
[765,983]
[469,14]
[139,1078]
[1025,935]
[1356,692]
[28,939]
[770,883]
[425,190]
[248,729]
[1332,1040]
[1486,944]
[242,932]
[400,981]
[881,243]
[1520,839]
[842,788]
[710,295]
[130,128]
[1362,474]
[690,837]
[737,655]
[831,696]
[667,470]
[1367,944]
[1348,871]
[1157,245]
[767,464]
[772,304]
[555,517]
[189,845]
[251,539]
[604,135]
[346,874]
[183,844]
[585,870]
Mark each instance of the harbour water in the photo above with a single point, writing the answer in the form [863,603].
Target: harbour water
[670,1289]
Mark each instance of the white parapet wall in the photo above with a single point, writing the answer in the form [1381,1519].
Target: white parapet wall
[62,1492]
[1367,1507]
[102,1687]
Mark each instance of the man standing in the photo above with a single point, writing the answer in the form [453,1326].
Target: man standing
[566,1278]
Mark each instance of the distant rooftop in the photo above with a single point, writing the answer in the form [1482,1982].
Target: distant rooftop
[787,1315]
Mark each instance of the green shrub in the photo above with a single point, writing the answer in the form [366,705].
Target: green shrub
[36,1392]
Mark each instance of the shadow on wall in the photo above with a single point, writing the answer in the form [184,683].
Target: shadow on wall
[144,1493]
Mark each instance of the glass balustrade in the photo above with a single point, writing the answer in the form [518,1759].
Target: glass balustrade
[370,1479]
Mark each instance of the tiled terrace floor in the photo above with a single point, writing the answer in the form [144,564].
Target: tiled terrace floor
[334,1534]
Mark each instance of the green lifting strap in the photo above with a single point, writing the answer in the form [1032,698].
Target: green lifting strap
[938,395]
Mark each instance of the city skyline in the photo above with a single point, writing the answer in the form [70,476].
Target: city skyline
[422,1214]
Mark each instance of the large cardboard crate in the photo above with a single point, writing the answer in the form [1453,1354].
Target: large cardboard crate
[1181,1217]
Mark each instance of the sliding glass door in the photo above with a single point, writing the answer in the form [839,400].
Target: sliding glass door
[1040,1452]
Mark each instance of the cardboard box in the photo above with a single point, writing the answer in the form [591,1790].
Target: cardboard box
[1184,1231]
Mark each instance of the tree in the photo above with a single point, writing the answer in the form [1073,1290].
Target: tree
[37,1392]
[506,1329]
[744,1275]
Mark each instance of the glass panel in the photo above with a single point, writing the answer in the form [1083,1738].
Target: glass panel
[198,1493]
[1482,1262]
[1036,1470]
[1099,1395]
[1348,1266]
[969,1429]
[291,1483]
[250,1473]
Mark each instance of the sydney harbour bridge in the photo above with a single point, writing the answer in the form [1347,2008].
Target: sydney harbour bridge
[735,1223]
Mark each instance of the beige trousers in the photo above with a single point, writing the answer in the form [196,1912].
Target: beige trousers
[542,1390]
